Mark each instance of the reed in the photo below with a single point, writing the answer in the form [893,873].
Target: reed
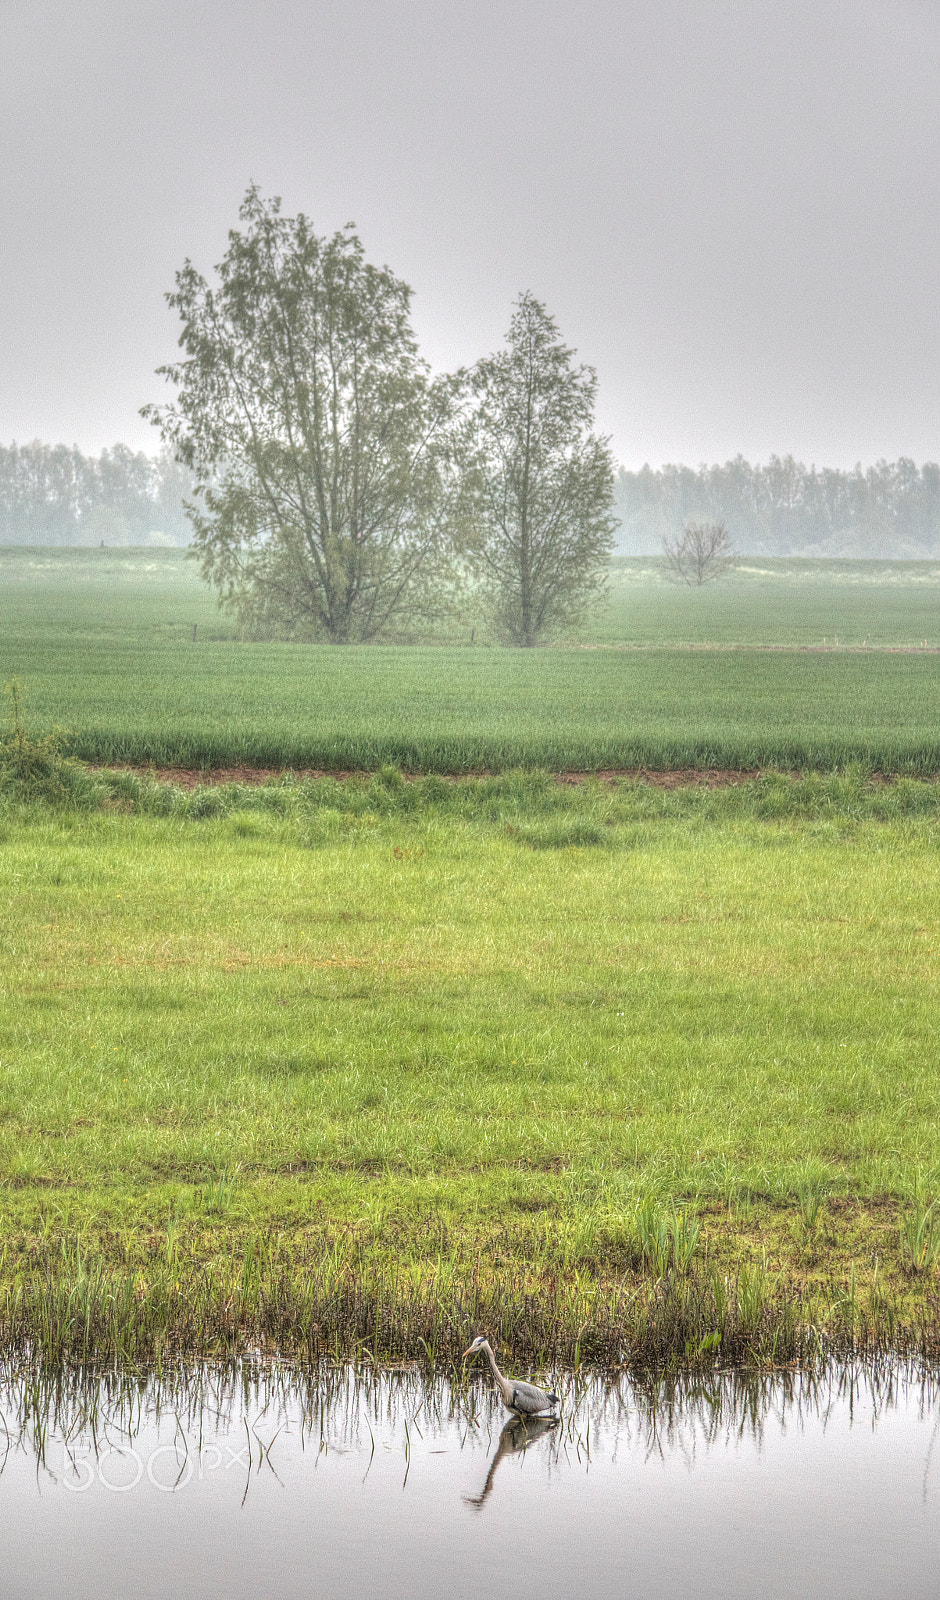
[347,1303]
[666,1237]
[809,1200]
[920,1235]
[329,1402]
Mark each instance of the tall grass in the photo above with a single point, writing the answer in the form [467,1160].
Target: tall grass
[33,768]
[920,1235]
[809,1200]
[350,1304]
[524,807]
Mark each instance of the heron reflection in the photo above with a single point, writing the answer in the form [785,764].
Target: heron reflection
[518,1434]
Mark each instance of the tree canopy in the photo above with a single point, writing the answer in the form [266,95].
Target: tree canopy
[540,482]
[322,447]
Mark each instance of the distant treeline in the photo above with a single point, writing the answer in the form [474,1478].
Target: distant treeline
[890,510]
[53,494]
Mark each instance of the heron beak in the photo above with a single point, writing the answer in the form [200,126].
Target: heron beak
[468,1352]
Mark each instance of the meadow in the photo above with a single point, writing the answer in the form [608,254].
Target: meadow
[546,1054]
[333,1065]
[744,674]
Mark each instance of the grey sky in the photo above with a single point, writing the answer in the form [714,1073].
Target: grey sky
[730,206]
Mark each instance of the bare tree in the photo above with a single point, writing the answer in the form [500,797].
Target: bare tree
[702,552]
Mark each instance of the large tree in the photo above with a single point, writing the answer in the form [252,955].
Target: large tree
[540,481]
[319,442]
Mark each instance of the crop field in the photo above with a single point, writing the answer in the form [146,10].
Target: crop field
[102,643]
[777,602]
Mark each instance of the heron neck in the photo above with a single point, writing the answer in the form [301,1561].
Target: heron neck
[496,1372]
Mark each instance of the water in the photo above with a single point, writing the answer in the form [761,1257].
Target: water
[256,1482]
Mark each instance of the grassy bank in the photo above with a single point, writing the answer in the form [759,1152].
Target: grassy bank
[103,643]
[623,1074]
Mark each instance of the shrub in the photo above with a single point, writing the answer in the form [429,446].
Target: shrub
[34,768]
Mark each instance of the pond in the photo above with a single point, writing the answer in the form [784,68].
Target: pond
[255,1481]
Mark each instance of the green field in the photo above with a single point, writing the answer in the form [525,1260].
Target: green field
[636,989]
[415,1037]
[102,643]
[620,1072]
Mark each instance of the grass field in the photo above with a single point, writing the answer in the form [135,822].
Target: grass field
[103,645]
[502,1034]
[777,601]
[621,1073]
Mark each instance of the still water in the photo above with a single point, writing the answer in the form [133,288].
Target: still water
[262,1482]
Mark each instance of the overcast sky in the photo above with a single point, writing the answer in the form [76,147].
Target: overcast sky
[730,206]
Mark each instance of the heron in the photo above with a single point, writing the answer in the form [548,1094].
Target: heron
[526,1399]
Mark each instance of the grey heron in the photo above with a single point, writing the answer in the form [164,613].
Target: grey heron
[524,1398]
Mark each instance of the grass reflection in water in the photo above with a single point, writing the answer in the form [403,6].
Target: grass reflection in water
[272,1410]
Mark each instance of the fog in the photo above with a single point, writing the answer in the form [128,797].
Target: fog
[728,208]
